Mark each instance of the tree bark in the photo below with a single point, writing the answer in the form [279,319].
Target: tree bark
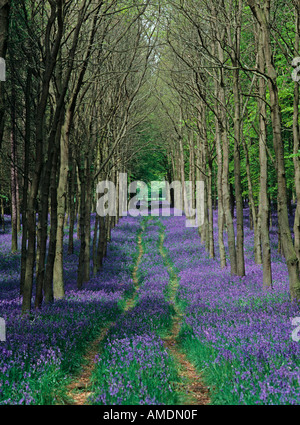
[262,15]
[48,280]
[26,176]
[4,27]
[72,208]
[240,261]
[263,213]
[296,137]
[58,278]
[225,169]
[51,55]
[220,197]
[13,177]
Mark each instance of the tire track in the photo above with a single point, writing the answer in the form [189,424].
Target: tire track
[78,390]
[196,393]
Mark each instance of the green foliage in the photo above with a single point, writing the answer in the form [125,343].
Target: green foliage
[151,162]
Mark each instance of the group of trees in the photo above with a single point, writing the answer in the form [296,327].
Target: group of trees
[180,89]
[77,75]
[227,91]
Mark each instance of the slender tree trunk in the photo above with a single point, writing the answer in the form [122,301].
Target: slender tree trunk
[2,214]
[4,26]
[263,213]
[254,223]
[43,227]
[78,198]
[290,254]
[26,176]
[87,235]
[225,174]
[182,178]
[205,157]
[296,137]
[13,178]
[107,235]
[220,198]
[240,261]
[85,225]
[95,238]
[72,209]
[210,211]
[58,279]
[192,171]
[18,203]
[81,266]
[199,177]
[48,280]
[101,242]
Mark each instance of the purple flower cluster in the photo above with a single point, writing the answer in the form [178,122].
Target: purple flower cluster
[40,351]
[154,279]
[132,370]
[239,334]
[135,368]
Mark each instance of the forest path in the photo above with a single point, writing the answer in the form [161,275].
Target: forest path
[196,393]
[191,389]
[78,390]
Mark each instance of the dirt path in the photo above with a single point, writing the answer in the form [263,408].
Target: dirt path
[79,390]
[196,393]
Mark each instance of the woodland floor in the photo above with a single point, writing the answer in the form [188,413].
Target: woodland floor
[191,388]
[160,324]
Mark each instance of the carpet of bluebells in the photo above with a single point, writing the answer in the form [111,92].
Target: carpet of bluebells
[135,368]
[237,334]
[41,351]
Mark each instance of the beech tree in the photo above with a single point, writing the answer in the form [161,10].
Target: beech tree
[262,14]
[4,25]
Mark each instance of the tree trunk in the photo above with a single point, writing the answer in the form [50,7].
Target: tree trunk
[290,254]
[220,197]
[4,25]
[81,265]
[240,261]
[72,209]
[101,242]
[225,171]
[13,178]
[26,176]
[210,211]
[48,281]
[95,238]
[253,220]
[263,213]
[296,137]
[87,224]
[78,203]
[58,279]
